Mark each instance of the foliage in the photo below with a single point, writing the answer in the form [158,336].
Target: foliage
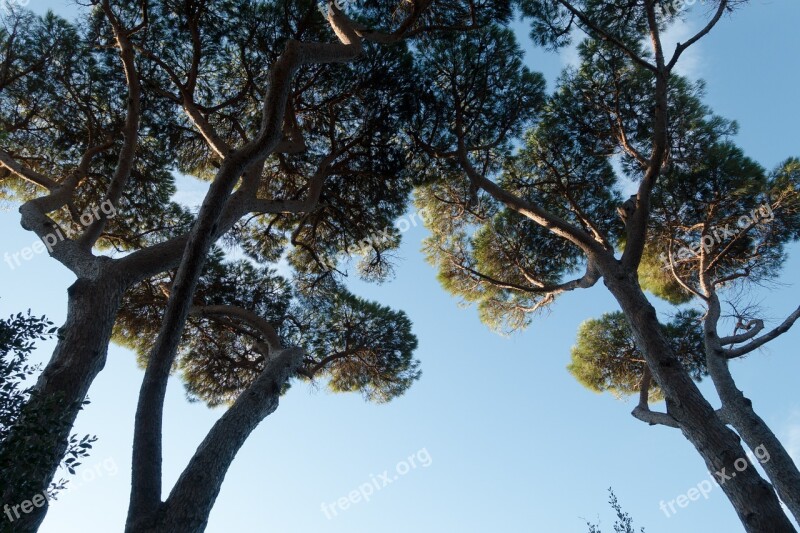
[511,264]
[354,344]
[18,334]
[68,83]
[605,356]
[623,522]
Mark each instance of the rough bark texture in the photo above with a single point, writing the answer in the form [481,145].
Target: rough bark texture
[739,413]
[753,498]
[146,482]
[189,504]
[738,409]
[146,485]
[79,356]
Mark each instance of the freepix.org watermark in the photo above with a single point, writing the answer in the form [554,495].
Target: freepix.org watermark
[365,491]
[108,467]
[762,214]
[13,260]
[363,246]
[705,487]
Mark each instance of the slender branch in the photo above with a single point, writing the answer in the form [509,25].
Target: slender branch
[642,410]
[552,222]
[315,186]
[207,131]
[681,47]
[724,252]
[655,35]
[644,388]
[605,35]
[678,279]
[589,278]
[761,341]
[636,225]
[26,173]
[130,130]
[253,319]
[654,418]
[322,363]
[752,328]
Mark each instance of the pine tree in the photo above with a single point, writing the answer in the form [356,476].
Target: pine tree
[294,115]
[529,204]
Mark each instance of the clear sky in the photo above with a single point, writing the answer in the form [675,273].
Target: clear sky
[504,439]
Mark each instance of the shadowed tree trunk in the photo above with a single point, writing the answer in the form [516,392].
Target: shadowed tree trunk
[190,502]
[753,498]
[79,356]
[739,413]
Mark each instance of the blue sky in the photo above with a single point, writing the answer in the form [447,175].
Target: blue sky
[513,442]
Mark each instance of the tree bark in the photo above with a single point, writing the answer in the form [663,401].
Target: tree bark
[189,504]
[81,350]
[751,496]
[79,356]
[146,482]
[739,413]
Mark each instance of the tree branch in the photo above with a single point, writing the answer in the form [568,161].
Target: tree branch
[654,418]
[147,449]
[130,130]
[189,503]
[26,173]
[552,222]
[752,329]
[266,329]
[605,35]
[761,341]
[680,48]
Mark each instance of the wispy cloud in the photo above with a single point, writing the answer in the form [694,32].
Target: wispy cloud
[691,62]
[680,31]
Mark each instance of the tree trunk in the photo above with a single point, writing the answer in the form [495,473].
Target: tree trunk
[751,496]
[189,504]
[739,413]
[47,418]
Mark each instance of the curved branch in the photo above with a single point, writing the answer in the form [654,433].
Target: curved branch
[130,130]
[552,222]
[214,141]
[189,503]
[654,418]
[266,329]
[761,341]
[752,328]
[584,282]
[147,448]
[642,410]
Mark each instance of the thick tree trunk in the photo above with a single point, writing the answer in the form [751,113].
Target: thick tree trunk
[147,447]
[189,504]
[47,418]
[77,360]
[739,413]
[146,478]
[751,496]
